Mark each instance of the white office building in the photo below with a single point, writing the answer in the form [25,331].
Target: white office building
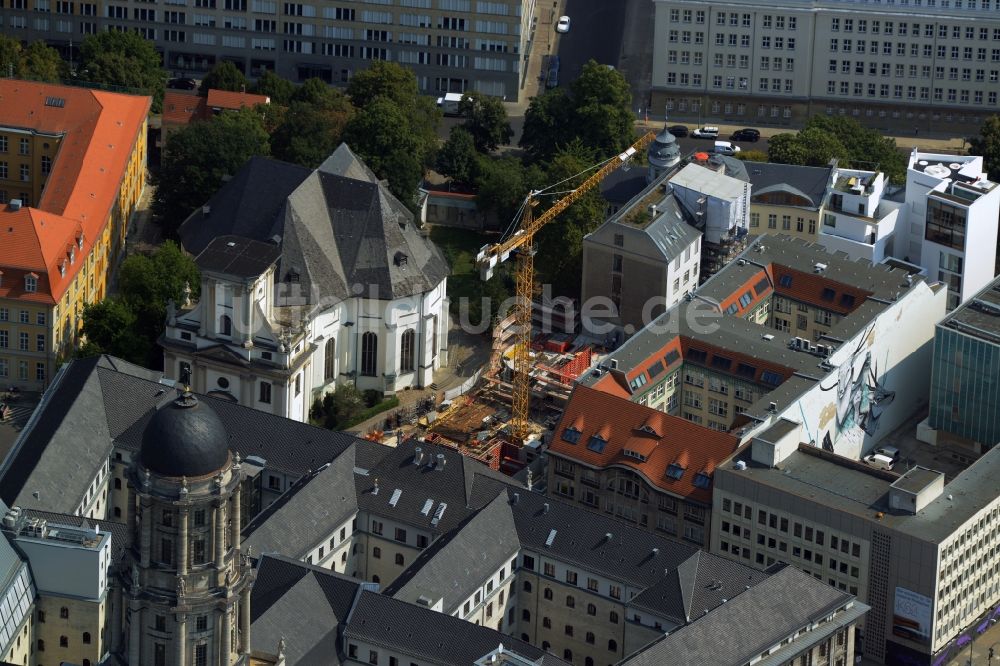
[858,219]
[906,64]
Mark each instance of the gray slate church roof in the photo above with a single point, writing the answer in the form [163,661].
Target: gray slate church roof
[338,226]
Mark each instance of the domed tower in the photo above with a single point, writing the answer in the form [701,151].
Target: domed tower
[662,154]
[188,586]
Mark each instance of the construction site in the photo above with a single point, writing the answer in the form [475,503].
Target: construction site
[503,414]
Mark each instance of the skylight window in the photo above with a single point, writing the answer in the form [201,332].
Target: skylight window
[762,286]
[829,294]
[697,355]
[847,300]
[732,309]
[571,435]
[675,471]
[770,377]
[746,299]
[655,369]
[671,357]
[785,281]
[597,444]
[702,480]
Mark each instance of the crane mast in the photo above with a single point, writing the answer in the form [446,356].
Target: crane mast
[522,242]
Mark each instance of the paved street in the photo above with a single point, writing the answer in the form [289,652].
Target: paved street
[596,32]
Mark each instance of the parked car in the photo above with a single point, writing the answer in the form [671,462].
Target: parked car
[707,132]
[878,461]
[726,148]
[182,84]
[552,80]
[680,131]
[563,24]
[890,452]
[747,134]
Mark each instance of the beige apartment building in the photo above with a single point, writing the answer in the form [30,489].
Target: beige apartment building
[451,45]
[910,65]
[788,199]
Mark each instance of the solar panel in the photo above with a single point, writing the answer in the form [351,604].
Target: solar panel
[57,102]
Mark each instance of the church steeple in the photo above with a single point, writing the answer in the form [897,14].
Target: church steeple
[189,587]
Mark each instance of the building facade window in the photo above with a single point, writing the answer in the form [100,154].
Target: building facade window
[407,344]
[369,354]
[330,360]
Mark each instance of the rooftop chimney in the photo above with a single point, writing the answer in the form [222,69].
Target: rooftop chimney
[545,508]
[418,455]
[440,462]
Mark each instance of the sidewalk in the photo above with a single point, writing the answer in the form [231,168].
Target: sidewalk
[927,142]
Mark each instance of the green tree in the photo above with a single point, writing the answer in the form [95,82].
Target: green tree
[486,120]
[821,146]
[197,157]
[338,408]
[278,89]
[311,130]
[37,62]
[751,156]
[316,92]
[500,186]
[110,328]
[987,144]
[457,157]
[381,134]
[123,59]
[43,63]
[224,76]
[865,148]
[11,57]
[597,110]
[785,149]
[559,261]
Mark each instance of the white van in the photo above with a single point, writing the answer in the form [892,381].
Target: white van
[449,103]
[878,461]
[726,148]
[890,452]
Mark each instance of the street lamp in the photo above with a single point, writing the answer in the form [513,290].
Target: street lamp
[990,654]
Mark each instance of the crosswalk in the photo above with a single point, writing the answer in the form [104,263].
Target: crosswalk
[19,413]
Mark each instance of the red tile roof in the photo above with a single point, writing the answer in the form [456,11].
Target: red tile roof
[225,99]
[628,426]
[817,290]
[99,131]
[181,108]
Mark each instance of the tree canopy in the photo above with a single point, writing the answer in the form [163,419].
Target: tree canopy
[312,128]
[197,157]
[827,137]
[596,109]
[224,76]
[486,121]
[987,144]
[278,89]
[129,323]
[123,59]
[395,128]
[38,62]
[457,157]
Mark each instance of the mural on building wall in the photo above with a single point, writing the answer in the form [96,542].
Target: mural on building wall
[861,397]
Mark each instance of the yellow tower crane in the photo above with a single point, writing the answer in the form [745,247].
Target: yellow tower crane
[523,243]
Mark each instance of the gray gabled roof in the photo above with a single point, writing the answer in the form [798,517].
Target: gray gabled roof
[747,624]
[806,181]
[338,226]
[432,637]
[456,565]
[307,512]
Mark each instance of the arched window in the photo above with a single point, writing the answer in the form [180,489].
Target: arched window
[547,623]
[369,354]
[589,661]
[546,645]
[375,579]
[86,662]
[570,601]
[399,559]
[526,586]
[86,637]
[591,609]
[524,637]
[526,614]
[118,512]
[118,484]
[225,325]
[590,637]
[568,654]
[41,645]
[612,645]
[330,361]
[548,593]
[63,641]
[377,553]
[64,613]
[407,350]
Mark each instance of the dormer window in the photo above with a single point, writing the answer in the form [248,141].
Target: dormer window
[31,282]
[597,444]
[702,480]
[399,259]
[62,268]
[675,472]
[571,435]
[629,453]
[72,255]
[292,276]
[225,325]
[79,241]
[648,429]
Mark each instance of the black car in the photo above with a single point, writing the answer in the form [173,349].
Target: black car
[552,80]
[182,84]
[751,135]
[680,131]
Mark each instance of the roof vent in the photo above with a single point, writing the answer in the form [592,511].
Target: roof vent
[545,508]
[656,551]
[772,408]
[819,268]
[516,497]
[418,455]
[608,536]
[15,204]
[206,210]
[613,363]
[440,462]
[741,465]
[399,259]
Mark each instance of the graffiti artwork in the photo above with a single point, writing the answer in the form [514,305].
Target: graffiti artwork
[861,397]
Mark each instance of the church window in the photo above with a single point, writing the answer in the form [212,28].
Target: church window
[330,360]
[369,354]
[406,350]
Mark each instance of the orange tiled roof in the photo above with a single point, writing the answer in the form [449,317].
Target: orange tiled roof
[817,290]
[99,131]
[628,426]
[225,99]
[180,108]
